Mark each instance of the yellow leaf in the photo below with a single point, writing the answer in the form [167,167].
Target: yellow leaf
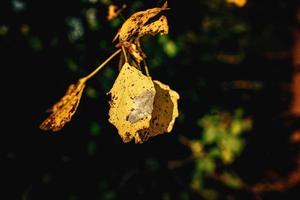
[114,11]
[62,111]
[158,26]
[136,53]
[239,3]
[165,111]
[135,22]
[131,104]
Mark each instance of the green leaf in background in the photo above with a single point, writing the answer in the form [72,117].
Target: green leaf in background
[210,135]
[91,18]
[214,152]
[206,165]
[169,46]
[221,142]
[230,146]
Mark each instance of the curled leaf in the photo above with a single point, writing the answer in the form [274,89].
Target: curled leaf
[158,26]
[165,111]
[131,104]
[62,111]
[135,22]
[136,53]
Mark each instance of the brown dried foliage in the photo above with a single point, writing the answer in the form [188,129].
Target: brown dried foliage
[62,111]
[136,27]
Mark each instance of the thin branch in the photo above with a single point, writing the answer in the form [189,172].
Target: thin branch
[101,66]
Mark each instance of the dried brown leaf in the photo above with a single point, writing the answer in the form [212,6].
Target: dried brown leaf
[131,104]
[62,111]
[165,111]
[135,22]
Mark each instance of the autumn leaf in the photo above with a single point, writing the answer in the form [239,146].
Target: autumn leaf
[114,11]
[134,51]
[62,112]
[133,25]
[239,3]
[158,26]
[165,111]
[131,104]
[137,26]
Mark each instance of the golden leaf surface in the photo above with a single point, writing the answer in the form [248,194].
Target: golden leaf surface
[62,111]
[134,51]
[239,3]
[158,26]
[135,22]
[165,111]
[131,105]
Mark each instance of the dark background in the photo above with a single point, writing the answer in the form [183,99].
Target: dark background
[87,159]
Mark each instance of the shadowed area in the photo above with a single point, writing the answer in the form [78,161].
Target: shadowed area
[164,112]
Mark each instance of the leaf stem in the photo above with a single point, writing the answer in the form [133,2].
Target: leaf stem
[124,52]
[101,66]
[146,68]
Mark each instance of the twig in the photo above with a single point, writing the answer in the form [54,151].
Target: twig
[101,66]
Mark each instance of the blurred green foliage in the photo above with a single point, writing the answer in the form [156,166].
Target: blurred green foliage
[221,142]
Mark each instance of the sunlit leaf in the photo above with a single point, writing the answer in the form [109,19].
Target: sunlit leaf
[239,3]
[165,111]
[62,112]
[133,25]
[131,105]
[134,51]
[158,26]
